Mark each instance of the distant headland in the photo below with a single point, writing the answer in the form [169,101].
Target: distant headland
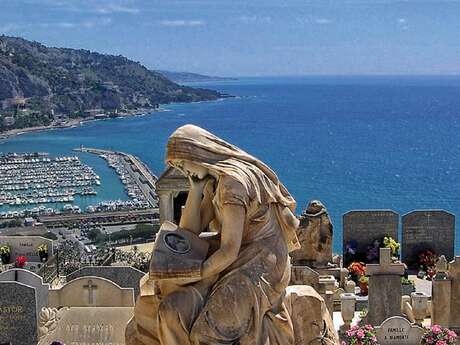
[43,87]
[187,77]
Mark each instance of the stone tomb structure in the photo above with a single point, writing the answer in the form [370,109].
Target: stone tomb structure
[124,276]
[26,246]
[18,314]
[82,326]
[384,288]
[31,279]
[446,297]
[172,189]
[364,227]
[315,234]
[397,330]
[91,292]
[429,229]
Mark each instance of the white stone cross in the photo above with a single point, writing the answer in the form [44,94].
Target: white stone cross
[386,266]
[91,289]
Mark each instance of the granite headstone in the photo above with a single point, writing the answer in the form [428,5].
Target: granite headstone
[31,279]
[18,314]
[429,229]
[362,228]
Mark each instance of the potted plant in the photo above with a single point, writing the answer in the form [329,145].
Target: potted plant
[407,286]
[5,254]
[356,271]
[439,335]
[364,285]
[42,251]
[20,262]
[364,335]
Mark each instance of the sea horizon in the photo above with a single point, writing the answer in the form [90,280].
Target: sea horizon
[359,145]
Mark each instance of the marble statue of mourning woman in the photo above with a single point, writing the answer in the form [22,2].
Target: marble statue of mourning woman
[237,297]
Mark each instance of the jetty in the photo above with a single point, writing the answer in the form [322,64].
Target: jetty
[139,181]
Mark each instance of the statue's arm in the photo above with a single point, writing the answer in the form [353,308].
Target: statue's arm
[233,217]
[191,214]
[207,208]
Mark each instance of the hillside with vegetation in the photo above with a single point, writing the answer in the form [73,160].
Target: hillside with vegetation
[41,85]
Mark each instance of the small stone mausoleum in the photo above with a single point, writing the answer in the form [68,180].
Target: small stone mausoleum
[172,190]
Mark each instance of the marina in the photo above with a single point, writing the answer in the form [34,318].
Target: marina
[35,179]
[37,185]
[137,178]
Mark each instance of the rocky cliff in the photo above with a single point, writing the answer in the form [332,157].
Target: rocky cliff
[39,84]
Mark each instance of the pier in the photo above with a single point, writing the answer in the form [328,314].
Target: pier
[139,181]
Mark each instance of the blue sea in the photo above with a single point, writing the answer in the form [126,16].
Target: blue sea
[351,142]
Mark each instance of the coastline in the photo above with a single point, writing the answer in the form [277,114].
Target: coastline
[104,116]
[73,123]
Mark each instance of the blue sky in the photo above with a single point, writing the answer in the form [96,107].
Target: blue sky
[237,37]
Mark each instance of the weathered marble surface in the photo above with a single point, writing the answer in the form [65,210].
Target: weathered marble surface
[384,288]
[397,330]
[85,325]
[315,234]
[124,276]
[91,292]
[309,315]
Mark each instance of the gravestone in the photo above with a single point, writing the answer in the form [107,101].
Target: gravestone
[397,330]
[18,314]
[364,227]
[304,275]
[26,246]
[31,279]
[91,292]
[430,229]
[81,326]
[124,276]
[384,288]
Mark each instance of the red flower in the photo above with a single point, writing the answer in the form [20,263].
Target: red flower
[20,261]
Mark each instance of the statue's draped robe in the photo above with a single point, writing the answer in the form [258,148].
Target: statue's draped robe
[244,304]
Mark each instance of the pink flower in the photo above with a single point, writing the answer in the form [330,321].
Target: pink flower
[429,340]
[441,342]
[451,334]
[360,333]
[436,329]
